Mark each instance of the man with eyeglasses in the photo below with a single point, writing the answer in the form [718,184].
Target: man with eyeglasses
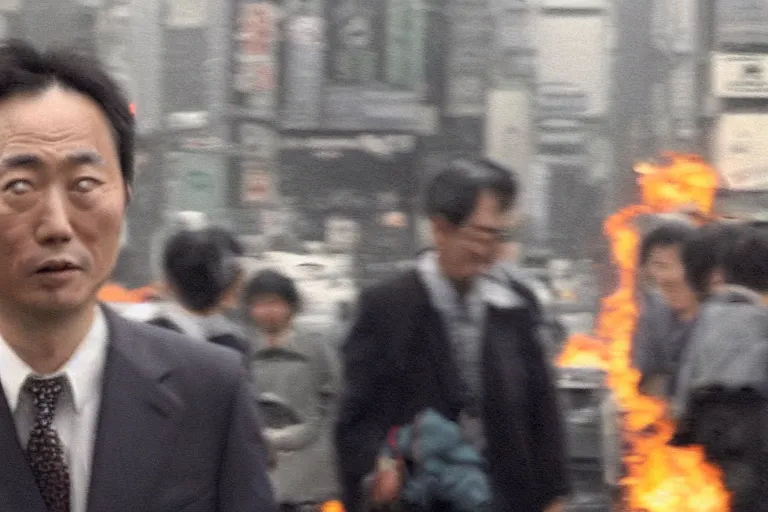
[456,335]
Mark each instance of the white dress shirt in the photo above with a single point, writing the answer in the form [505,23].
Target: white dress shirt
[77,410]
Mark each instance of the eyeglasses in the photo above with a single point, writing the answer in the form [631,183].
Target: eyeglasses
[483,234]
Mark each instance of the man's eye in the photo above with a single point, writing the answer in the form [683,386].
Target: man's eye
[86,184]
[18,187]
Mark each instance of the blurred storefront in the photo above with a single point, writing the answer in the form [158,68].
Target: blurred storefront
[355,192]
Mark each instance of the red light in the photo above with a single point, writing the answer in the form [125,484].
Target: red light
[132,106]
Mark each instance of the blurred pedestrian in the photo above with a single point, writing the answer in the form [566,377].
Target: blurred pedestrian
[668,308]
[454,337]
[298,371]
[722,399]
[203,276]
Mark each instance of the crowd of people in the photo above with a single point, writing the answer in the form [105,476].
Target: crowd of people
[702,344]
[417,349]
[440,398]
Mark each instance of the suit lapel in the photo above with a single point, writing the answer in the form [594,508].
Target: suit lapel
[18,490]
[137,422]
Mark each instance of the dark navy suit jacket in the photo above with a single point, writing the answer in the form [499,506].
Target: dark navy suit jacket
[178,431]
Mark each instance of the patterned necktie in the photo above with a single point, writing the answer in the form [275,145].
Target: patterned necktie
[44,449]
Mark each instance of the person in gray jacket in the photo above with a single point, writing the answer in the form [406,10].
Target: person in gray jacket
[729,344]
[299,373]
[722,398]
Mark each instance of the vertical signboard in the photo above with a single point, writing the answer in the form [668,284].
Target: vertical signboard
[257,169]
[405,46]
[509,128]
[353,33]
[683,100]
[185,79]
[471,35]
[684,25]
[585,65]
[256,67]
[113,28]
[146,47]
[513,51]
[304,72]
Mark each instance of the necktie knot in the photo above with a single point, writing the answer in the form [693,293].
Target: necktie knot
[45,394]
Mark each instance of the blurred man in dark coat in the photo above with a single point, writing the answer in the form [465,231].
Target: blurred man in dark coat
[456,336]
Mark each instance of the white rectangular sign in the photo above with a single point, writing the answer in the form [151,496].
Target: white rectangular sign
[508,129]
[742,75]
[575,5]
[187,13]
[741,155]
[10,5]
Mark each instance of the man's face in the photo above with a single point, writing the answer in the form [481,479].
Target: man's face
[469,250]
[666,270]
[62,202]
[271,313]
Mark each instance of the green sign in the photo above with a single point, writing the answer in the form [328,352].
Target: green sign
[199,182]
[406,30]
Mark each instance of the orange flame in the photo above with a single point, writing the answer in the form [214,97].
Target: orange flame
[660,478]
[111,292]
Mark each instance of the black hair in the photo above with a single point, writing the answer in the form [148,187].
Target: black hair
[453,193]
[25,70]
[271,282]
[228,240]
[746,263]
[200,268]
[668,234]
[705,252]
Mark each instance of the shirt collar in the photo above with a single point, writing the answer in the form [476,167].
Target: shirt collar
[84,370]
[491,289]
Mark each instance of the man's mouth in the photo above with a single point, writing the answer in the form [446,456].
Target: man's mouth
[56,266]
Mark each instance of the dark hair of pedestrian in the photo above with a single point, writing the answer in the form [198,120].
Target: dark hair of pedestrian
[200,268]
[667,234]
[705,252]
[26,70]
[272,283]
[453,193]
[746,263]
[228,239]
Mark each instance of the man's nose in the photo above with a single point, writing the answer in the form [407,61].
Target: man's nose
[54,226]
